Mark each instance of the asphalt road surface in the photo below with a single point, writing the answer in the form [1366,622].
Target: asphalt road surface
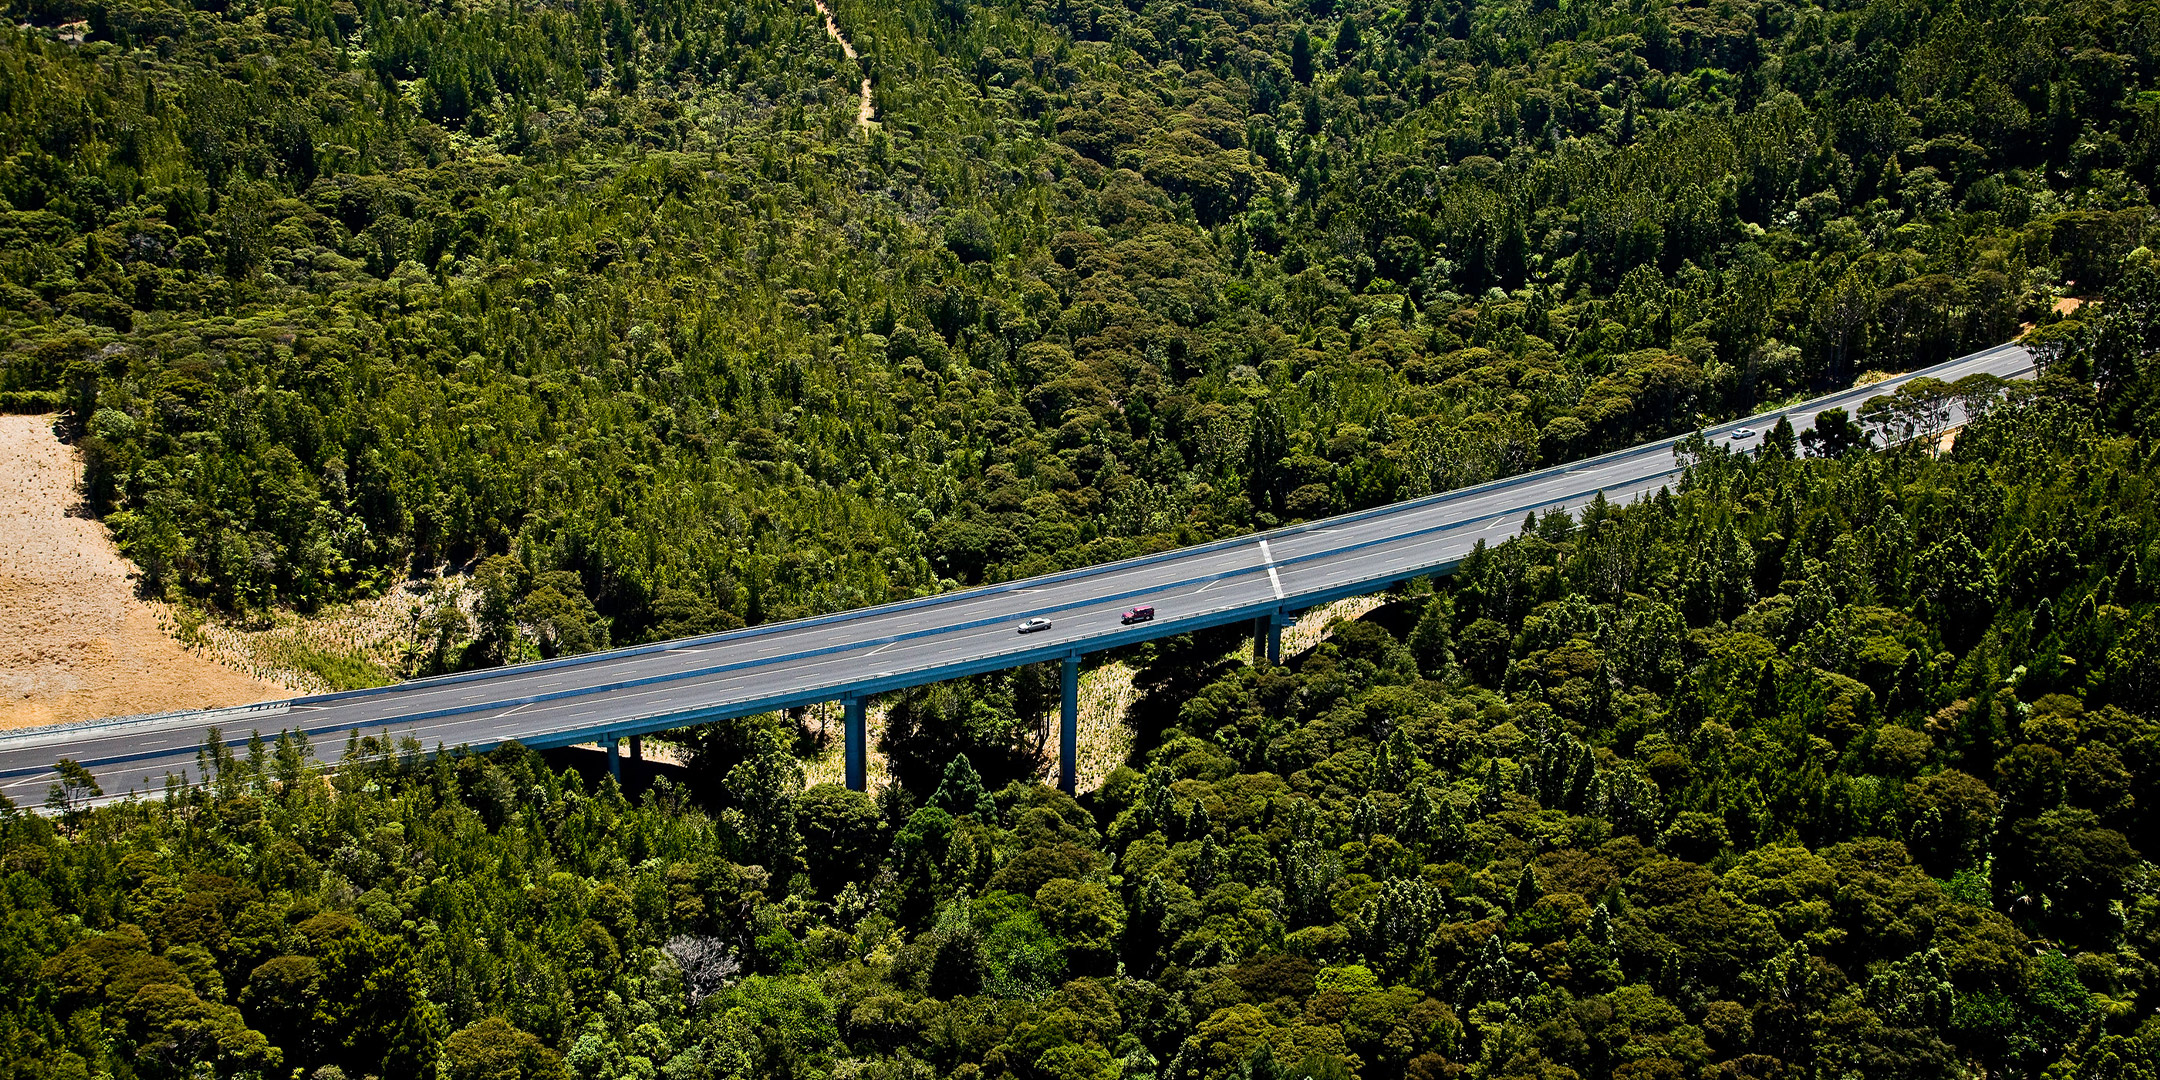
[657,687]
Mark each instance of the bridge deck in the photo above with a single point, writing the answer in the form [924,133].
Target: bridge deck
[624,692]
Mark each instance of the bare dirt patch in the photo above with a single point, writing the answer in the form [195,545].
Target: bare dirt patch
[75,642]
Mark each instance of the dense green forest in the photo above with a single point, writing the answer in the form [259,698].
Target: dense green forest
[1822,764]
[1808,767]
[334,293]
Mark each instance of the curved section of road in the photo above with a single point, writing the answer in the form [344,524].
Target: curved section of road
[658,687]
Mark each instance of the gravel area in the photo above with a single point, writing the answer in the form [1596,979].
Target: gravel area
[75,641]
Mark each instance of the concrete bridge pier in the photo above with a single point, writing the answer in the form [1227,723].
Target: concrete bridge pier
[1267,638]
[614,757]
[637,747]
[1069,728]
[855,731]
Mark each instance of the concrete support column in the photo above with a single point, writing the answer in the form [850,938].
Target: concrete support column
[856,732]
[614,757]
[637,747]
[1069,729]
[1267,638]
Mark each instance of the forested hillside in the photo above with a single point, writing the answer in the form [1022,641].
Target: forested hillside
[1826,763]
[334,293]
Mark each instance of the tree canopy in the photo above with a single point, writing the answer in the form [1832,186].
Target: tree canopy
[1839,759]
[334,294]
[1805,764]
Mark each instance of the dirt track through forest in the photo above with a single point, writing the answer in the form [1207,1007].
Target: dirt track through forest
[865,113]
[75,643]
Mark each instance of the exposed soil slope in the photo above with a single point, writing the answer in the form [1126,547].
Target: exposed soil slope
[75,643]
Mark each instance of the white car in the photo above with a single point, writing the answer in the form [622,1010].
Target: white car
[1743,433]
[1034,624]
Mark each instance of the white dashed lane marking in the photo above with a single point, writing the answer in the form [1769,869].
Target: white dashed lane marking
[1273,578]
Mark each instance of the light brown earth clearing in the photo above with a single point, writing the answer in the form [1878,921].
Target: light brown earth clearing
[75,643]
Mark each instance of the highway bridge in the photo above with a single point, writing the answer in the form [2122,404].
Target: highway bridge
[605,697]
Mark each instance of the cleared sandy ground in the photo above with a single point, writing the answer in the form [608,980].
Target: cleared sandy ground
[75,643]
